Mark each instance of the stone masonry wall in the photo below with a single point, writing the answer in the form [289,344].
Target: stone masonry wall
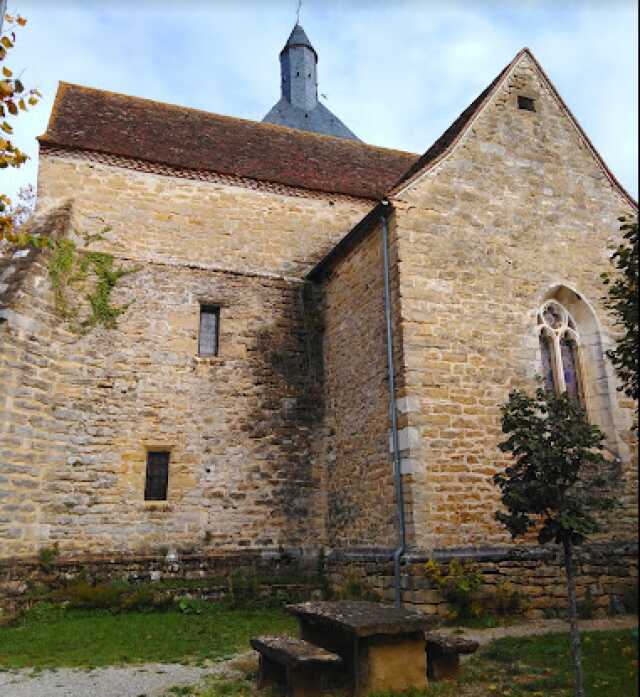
[607,572]
[182,221]
[80,413]
[360,501]
[519,212]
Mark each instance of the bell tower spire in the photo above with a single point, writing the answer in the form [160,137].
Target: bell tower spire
[298,70]
[298,106]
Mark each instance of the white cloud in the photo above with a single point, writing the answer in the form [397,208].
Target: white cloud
[396,73]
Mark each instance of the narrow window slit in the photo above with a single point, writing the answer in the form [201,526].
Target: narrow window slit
[157,479]
[209,330]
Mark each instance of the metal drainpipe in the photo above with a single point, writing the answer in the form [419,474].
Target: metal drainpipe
[392,411]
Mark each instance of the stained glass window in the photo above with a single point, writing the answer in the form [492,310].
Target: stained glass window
[568,353]
[547,361]
[559,350]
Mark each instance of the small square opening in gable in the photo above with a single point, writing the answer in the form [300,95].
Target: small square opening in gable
[526,103]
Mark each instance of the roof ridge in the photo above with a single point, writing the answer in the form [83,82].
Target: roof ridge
[450,137]
[232,119]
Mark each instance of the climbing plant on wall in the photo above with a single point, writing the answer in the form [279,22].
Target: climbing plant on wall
[73,270]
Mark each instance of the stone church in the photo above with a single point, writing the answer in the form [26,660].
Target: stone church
[317,336]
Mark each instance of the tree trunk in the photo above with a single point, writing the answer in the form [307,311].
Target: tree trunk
[573,616]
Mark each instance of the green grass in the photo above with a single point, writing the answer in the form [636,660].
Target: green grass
[542,666]
[531,667]
[52,637]
[538,666]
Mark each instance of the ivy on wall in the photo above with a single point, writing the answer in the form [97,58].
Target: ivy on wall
[82,280]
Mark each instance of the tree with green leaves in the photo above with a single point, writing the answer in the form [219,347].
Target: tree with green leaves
[554,483]
[622,302]
[14,99]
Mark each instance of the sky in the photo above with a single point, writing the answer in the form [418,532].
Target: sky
[396,72]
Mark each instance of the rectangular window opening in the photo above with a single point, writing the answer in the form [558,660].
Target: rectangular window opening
[526,103]
[209,330]
[157,480]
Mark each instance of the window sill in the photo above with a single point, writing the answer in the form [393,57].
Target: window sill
[159,506]
[209,360]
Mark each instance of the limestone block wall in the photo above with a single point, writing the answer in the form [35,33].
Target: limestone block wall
[212,224]
[79,414]
[605,572]
[84,412]
[360,501]
[518,213]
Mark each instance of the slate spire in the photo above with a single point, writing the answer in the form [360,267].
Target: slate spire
[298,106]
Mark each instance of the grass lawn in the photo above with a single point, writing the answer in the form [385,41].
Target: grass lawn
[532,667]
[537,666]
[52,637]
[542,666]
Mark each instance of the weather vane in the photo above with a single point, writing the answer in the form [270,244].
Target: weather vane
[298,11]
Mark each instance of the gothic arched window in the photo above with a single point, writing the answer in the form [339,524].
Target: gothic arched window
[559,343]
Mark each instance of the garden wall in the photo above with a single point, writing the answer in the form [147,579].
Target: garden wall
[608,571]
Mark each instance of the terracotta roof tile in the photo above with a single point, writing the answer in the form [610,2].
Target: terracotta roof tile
[107,122]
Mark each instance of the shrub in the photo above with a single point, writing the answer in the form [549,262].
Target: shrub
[83,595]
[506,601]
[630,599]
[459,586]
[586,606]
[114,597]
[47,555]
[355,588]
[244,588]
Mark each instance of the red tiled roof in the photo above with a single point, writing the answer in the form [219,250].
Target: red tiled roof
[91,119]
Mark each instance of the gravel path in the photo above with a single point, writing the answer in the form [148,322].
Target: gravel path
[154,679]
[484,636]
[148,680]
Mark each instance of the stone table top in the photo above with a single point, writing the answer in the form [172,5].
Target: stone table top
[362,618]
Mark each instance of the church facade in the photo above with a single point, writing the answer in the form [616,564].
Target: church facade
[241,406]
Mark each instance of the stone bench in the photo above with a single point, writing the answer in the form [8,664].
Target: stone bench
[443,654]
[304,669]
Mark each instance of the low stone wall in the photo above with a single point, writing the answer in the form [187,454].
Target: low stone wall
[605,570]
[280,574]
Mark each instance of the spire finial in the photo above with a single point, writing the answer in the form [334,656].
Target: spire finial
[298,11]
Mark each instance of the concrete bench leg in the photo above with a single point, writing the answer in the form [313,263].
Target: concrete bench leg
[304,682]
[269,673]
[442,664]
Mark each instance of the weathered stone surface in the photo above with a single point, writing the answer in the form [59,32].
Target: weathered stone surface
[451,644]
[283,438]
[360,618]
[292,652]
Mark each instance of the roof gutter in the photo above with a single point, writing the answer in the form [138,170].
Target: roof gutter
[402,528]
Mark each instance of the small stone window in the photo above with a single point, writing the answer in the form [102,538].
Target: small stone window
[526,103]
[157,480]
[209,330]
[559,343]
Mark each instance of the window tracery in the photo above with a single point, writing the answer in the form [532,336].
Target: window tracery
[559,341]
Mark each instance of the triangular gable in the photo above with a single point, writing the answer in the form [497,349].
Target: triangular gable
[447,142]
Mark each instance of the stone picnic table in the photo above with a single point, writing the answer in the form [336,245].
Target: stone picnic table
[382,647]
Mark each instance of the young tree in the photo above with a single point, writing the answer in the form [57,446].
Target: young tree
[622,301]
[14,99]
[554,482]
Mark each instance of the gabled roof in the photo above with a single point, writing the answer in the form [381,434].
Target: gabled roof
[441,148]
[90,119]
[447,141]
